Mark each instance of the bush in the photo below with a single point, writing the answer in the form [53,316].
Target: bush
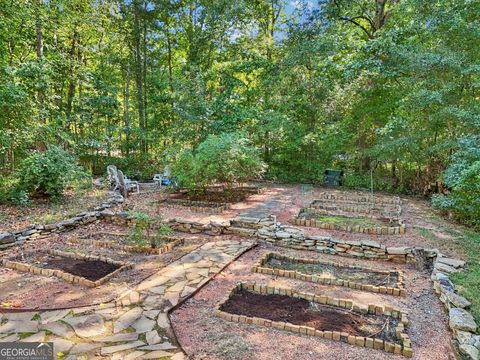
[462,177]
[227,158]
[48,173]
[140,234]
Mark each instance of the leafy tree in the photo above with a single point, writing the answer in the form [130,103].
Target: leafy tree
[48,173]
[227,158]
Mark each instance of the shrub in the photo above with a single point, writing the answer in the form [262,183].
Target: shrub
[48,173]
[141,234]
[228,158]
[462,177]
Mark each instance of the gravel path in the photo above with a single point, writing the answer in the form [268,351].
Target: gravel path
[204,336]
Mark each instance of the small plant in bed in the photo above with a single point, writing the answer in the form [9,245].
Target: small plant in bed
[143,235]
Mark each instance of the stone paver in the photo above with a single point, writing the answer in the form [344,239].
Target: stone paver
[113,330]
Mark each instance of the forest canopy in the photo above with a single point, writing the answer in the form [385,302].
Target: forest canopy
[388,86]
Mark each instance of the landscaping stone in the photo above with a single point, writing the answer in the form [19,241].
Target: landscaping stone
[118,338]
[51,316]
[471,351]
[451,262]
[163,346]
[37,337]
[444,268]
[87,325]
[13,326]
[404,250]
[59,329]
[162,321]
[143,325]
[156,355]
[127,319]
[457,300]
[6,238]
[82,348]
[61,345]
[152,337]
[116,348]
[461,319]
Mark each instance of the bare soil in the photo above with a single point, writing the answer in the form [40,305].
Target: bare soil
[302,312]
[216,195]
[44,211]
[89,269]
[339,272]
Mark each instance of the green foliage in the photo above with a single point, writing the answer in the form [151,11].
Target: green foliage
[48,173]
[463,178]
[10,191]
[467,281]
[227,158]
[141,234]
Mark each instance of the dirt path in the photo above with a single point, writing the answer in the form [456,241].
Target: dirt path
[205,337]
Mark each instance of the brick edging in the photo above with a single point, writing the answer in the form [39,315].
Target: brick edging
[405,349]
[260,267]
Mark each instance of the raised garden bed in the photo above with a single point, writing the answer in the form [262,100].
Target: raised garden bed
[348,208]
[168,244]
[214,200]
[81,269]
[383,282]
[367,225]
[376,327]
[358,197]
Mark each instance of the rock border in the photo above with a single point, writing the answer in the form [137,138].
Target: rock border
[260,267]
[74,279]
[32,232]
[405,349]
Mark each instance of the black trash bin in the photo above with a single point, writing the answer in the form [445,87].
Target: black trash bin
[333,177]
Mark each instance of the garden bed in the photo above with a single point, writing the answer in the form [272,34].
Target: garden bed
[86,270]
[378,327]
[384,282]
[214,200]
[122,243]
[359,224]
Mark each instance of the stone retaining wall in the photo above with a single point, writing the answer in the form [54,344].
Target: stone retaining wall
[17,237]
[404,348]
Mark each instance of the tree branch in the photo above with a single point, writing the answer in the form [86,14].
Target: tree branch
[369,34]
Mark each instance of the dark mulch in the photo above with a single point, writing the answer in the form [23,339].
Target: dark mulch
[89,269]
[302,312]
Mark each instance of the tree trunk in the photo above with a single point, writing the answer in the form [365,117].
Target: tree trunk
[71,81]
[139,73]
[126,111]
[40,144]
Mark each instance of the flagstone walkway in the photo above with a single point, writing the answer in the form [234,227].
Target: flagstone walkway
[133,327]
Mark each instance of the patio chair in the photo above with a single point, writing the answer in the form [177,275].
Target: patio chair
[118,180]
[163,179]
